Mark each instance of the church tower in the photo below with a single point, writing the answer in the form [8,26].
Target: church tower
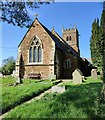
[71,37]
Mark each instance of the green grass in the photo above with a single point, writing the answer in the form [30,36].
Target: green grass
[7,80]
[87,81]
[78,101]
[13,96]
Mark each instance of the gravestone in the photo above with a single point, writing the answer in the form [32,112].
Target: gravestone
[18,81]
[58,89]
[14,73]
[77,76]
[94,73]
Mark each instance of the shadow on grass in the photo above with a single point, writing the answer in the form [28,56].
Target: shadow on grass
[84,97]
[24,99]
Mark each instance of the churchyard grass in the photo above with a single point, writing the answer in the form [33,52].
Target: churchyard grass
[86,81]
[13,96]
[78,101]
[7,80]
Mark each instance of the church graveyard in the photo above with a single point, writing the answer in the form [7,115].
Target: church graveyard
[77,102]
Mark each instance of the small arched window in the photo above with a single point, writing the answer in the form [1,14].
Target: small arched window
[35,51]
[70,38]
[67,38]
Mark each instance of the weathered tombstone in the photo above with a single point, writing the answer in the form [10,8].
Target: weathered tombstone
[94,73]
[13,73]
[58,89]
[77,76]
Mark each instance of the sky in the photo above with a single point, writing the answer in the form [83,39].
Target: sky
[58,14]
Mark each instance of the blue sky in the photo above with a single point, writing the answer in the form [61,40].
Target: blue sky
[58,14]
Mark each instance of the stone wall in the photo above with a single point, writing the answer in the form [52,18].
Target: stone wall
[60,69]
[36,30]
[46,68]
[73,42]
[67,72]
[43,70]
[58,63]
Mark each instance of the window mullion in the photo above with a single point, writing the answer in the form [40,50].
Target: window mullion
[35,51]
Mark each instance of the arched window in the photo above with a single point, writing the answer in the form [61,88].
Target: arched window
[67,38]
[35,51]
[70,38]
[30,54]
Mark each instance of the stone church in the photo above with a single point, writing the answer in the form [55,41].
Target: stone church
[44,54]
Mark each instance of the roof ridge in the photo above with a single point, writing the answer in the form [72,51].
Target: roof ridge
[68,46]
[60,43]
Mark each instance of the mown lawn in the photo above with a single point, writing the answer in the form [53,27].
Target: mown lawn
[13,96]
[78,101]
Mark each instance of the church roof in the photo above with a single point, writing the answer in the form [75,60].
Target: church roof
[61,44]
[70,49]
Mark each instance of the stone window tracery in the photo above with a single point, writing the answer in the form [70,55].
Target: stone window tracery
[35,51]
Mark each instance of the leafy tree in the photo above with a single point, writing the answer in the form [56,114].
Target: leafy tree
[94,44]
[16,13]
[97,47]
[8,66]
[103,51]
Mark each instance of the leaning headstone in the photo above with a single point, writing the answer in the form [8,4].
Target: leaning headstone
[77,76]
[94,73]
[13,73]
[58,89]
